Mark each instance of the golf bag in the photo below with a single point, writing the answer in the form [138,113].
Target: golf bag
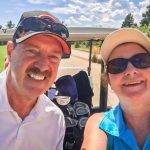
[76,112]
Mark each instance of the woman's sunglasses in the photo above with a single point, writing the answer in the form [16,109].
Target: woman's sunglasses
[119,65]
[35,24]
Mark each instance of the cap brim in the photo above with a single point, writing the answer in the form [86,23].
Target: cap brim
[121,36]
[65,45]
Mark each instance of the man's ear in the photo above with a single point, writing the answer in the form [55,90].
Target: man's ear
[10,47]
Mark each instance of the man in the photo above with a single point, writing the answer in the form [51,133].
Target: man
[29,120]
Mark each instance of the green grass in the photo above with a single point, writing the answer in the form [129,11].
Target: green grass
[2,57]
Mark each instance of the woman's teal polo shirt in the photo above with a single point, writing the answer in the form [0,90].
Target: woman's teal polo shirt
[120,137]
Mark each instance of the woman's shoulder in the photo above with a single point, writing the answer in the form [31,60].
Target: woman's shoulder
[95,118]
[94,137]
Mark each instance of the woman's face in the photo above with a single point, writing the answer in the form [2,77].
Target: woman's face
[133,83]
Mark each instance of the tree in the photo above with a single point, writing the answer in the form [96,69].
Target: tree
[77,44]
[146,17]
[129,21]
[10,25]
[1,26]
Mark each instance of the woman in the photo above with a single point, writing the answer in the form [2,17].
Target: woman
[126,53]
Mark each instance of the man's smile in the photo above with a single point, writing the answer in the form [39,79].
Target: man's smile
[36,76]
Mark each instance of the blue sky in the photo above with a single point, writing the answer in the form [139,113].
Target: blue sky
[96,13]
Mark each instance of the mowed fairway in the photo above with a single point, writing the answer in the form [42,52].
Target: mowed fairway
[2,57]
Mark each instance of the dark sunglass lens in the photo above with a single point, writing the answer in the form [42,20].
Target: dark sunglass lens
[27,25]
[40,24]
[60,30]
[45,24]
[31,24]
[117,65]
[47,20]
[141,60]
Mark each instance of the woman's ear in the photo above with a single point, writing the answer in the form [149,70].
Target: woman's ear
[108,79]
[10,47]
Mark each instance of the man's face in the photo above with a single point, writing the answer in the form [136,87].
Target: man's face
[34,65]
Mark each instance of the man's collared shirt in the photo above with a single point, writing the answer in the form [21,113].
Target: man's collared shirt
[42,129]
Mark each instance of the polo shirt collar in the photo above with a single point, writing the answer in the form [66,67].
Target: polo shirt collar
[113,123]
[4,104]
[43,105]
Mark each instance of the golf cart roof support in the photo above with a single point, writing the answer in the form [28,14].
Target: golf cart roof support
[90,56]
[103,88]
[103,84]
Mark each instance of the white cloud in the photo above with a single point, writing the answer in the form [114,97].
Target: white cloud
[49,2]
[38,1]
[143,5]
[84,18]
[117,14]
[68,10]
[78,2]
[110,13]
[71,21]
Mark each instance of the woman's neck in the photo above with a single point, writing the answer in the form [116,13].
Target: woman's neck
[138,120]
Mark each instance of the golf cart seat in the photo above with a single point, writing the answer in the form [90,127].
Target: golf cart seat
[85,92]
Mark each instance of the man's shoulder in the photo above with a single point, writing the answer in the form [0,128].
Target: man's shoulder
[2,75]
[2,80]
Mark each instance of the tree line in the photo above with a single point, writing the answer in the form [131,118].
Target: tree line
[9,25]
[144,23]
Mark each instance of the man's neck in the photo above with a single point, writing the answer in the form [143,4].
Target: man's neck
[21,101]
[23,108]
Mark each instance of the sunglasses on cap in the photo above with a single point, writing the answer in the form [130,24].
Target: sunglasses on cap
[36,24]
[119,65]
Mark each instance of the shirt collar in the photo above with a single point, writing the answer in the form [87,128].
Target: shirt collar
[42,107]
[113,122]
[4,104]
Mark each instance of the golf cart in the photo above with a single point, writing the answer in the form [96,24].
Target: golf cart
[78,88]
[78,110]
